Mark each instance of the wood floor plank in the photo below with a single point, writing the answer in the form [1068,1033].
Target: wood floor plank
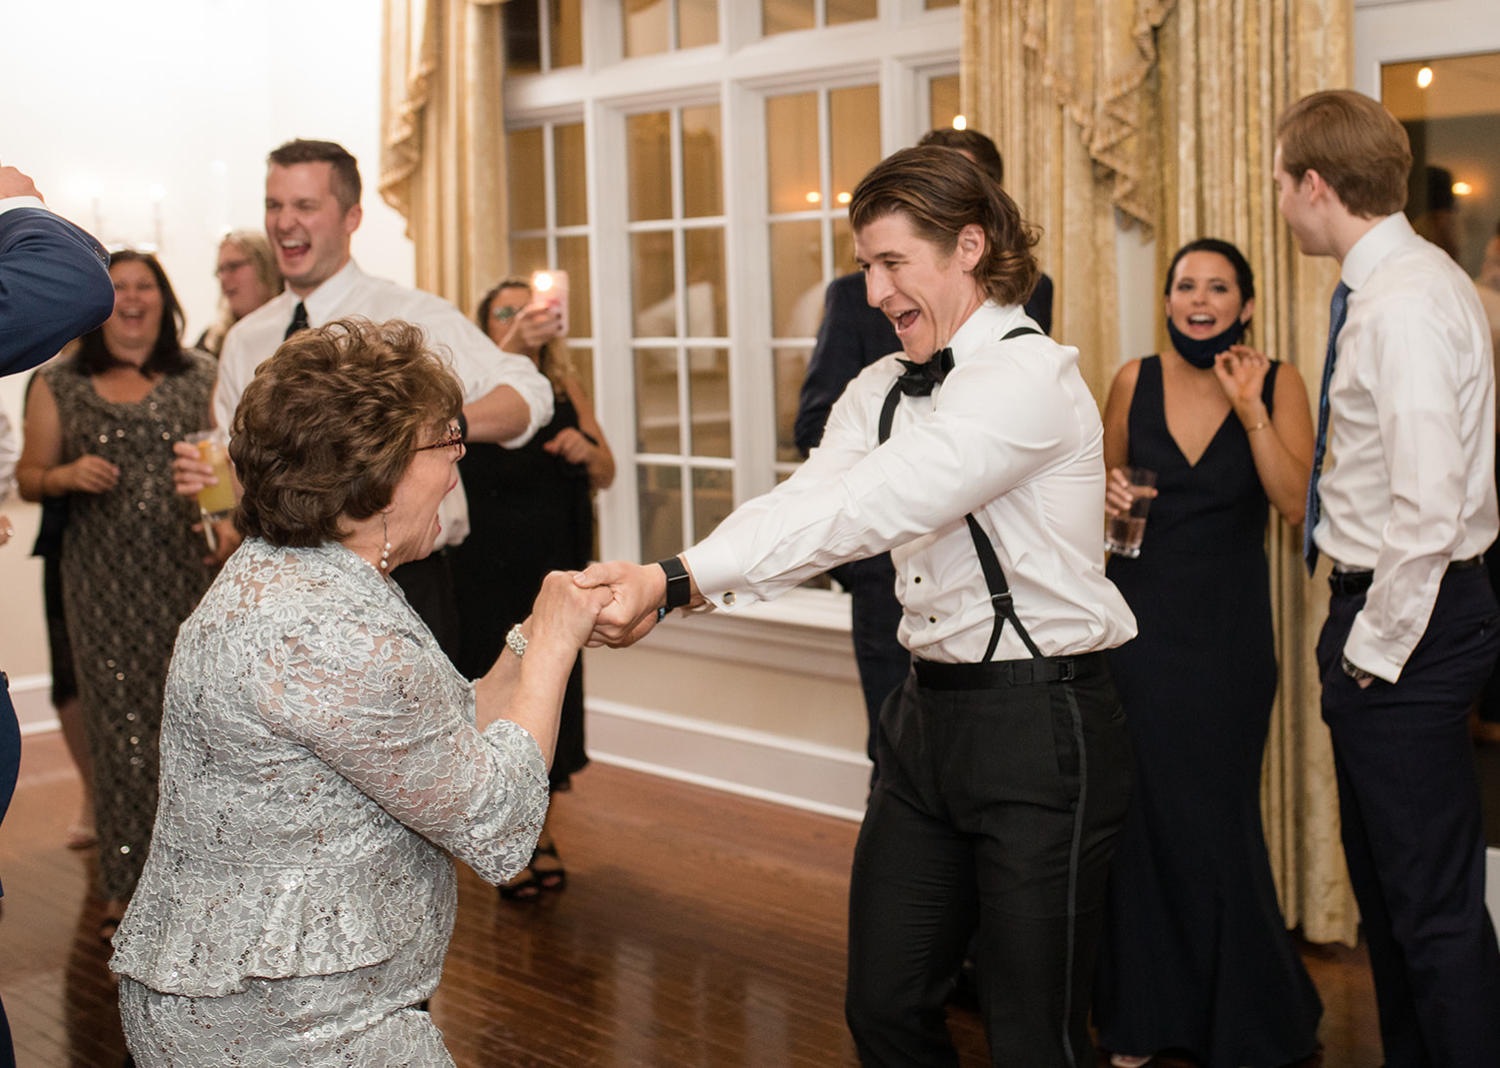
[697,930]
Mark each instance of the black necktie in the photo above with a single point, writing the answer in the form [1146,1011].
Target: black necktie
[920,379]
[1338,310]
[299,321]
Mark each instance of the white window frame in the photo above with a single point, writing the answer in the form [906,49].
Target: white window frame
[899,50]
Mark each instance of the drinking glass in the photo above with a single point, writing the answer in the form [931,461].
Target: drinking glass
[1123,537]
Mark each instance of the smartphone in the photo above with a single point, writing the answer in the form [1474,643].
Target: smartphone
[552,286]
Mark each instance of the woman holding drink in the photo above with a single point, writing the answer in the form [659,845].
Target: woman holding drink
[100,423]
[1195,955]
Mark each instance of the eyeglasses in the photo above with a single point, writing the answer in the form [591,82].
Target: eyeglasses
[504,312]
[455,437]
[229,268]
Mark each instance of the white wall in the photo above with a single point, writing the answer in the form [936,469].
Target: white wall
[101,100]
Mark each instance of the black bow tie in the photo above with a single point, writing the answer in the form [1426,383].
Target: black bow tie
[919,379]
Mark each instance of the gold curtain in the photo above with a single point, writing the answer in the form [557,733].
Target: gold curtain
[1164,111]
[442,162]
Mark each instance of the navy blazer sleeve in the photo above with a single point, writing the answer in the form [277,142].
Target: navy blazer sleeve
[54,286]
[852,336]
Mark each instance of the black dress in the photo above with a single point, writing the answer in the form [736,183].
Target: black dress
[1195,954]
[529,513]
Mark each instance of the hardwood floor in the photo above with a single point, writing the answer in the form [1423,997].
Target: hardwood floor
[697,929]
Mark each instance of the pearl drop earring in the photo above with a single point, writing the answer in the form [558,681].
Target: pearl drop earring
[385,553]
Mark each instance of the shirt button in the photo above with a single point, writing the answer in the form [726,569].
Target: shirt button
[916,578]
[932,619]
[729,597]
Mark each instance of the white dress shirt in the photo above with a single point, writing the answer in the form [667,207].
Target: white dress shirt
[8,203]
[1013,436]
[9,453]
[1409,484]
[478,364]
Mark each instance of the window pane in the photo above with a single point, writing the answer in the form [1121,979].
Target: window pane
[702,186]
[944,93]
[523,37]
[850,11]
[713,499]
[780,16]
[843,247]
[527,179]
[567,32]
[645,27]
[660,491]
[529,254]
[708,314]
[792,152]
[571,170]
[650,153]
[854,125]
[796,278]
[573,257]
[651,283]
[790,370]
[708,392]
[658,420]
[697,23]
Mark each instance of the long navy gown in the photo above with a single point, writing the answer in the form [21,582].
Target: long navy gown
[1195,954]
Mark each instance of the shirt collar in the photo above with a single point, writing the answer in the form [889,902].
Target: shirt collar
[1379,242]
[322,301]
[989,323]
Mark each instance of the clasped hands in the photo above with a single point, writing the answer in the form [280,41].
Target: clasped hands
[635,593]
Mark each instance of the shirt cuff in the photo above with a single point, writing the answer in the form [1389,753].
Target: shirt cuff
[718,575]
[7,203]
[1380,658]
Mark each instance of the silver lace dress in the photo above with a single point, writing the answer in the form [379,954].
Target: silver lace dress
[319,764]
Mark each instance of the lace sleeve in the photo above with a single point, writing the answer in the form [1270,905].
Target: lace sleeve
[388,714]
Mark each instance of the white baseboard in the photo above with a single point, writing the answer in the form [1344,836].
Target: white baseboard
[771,767]
[32,696]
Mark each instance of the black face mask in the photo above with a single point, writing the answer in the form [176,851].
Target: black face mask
[1201,352]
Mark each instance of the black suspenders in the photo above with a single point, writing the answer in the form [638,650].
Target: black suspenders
[989,563]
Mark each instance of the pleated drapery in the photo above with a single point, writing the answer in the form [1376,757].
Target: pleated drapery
[1162,113]
[442,162]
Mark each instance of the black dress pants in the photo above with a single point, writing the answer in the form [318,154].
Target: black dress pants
[875,615]
[997,809]
[428,586]
[1409,804]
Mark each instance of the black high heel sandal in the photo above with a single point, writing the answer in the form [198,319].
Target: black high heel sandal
[531,887]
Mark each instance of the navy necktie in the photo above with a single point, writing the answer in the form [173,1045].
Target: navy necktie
[920,379]
[299,321]
[1338,310]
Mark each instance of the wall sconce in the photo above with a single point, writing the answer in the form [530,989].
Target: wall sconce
[960,123]
[1424,77]
[815,197]
[1462,189]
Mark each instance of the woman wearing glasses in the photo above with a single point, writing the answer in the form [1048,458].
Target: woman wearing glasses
[321,758]
[248,277]
[530,512]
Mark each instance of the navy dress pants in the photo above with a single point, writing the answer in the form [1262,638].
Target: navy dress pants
[1409,803]
[10,766]
[995,809]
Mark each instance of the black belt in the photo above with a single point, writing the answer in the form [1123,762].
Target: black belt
[1351,583]
[996,674]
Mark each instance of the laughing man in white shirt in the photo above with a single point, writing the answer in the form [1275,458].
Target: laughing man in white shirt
[1404,507]
[312,210]
[1005,767]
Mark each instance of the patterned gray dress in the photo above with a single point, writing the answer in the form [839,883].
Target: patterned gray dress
[319,765]
[132,570]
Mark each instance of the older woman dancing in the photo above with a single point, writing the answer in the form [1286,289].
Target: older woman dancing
[320,755]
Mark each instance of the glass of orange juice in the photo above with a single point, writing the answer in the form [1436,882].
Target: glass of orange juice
[217,501]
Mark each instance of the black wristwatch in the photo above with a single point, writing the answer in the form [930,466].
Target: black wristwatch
[679,585]
[1358,674]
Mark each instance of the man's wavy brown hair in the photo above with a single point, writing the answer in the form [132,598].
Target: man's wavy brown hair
[941,191]
[325,430]
[1358,147]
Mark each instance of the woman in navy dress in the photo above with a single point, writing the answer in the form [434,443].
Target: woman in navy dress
[1196,956]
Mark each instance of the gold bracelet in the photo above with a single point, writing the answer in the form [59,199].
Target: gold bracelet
[1258,426]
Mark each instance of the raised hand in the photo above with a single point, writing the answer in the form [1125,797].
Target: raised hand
[565,612]
[1241,372]
[15,184]
[536,324]
[571,445]
[635,593]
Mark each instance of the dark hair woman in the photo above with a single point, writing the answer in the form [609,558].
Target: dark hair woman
[322,761]
[100,423]
[1195,954]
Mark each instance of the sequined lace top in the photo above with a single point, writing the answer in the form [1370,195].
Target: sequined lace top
[319,763]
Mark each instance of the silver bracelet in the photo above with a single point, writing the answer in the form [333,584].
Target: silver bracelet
[516,640]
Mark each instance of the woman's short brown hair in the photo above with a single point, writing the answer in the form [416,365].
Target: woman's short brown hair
[940,190]
[1357,146]
[326,428]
